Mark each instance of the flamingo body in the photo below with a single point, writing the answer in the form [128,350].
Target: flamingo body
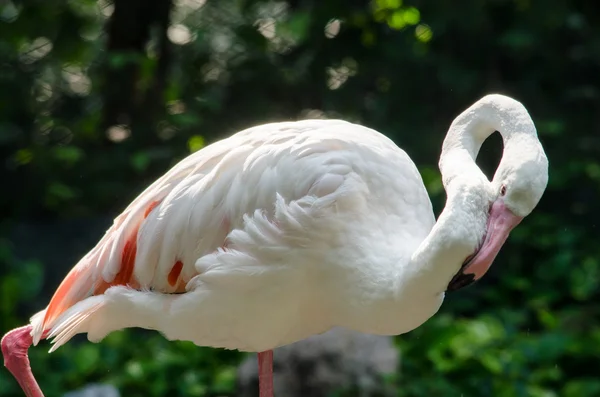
[258,241]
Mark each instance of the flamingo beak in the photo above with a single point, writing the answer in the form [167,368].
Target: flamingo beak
[500,223]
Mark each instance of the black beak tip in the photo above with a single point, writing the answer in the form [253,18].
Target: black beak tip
[460,280]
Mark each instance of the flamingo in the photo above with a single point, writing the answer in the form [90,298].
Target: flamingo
[289,229]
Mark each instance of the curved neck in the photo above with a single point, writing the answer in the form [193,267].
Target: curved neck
[472,127]
[462,224]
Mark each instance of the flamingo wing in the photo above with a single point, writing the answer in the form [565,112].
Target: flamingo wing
[188,214]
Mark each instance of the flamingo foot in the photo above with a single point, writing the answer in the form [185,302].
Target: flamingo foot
[14,349]
[265,373]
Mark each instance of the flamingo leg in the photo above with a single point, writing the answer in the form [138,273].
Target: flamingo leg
[265,373]
[14,349]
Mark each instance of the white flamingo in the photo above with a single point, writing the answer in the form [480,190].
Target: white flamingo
[286,230]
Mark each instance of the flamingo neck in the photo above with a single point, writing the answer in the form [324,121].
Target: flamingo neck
[462,224]
[455,236]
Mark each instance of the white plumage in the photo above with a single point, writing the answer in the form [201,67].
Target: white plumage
[288,229]
[277,228]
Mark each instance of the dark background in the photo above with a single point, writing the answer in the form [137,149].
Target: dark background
[99,98]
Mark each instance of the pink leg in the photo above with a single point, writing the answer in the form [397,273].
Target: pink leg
[265,373]
[14,349]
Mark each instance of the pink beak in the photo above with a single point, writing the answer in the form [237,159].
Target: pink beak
[500,223]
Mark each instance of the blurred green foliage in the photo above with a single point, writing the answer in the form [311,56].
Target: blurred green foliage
[99,98]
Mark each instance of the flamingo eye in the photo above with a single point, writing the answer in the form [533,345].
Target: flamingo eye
[503,190]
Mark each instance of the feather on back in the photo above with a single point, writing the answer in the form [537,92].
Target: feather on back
[190,211]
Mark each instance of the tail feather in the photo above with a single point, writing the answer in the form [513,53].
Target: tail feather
[37,326]
[78,285]
[74,321]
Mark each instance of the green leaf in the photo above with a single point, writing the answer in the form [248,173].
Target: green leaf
[581,387]
[140,161]
[388,4]
[412,16]
[396,20]
[68,154]
[61,191]
[423,33]
[23,156]
[225,379]
[195,143]
[297,26]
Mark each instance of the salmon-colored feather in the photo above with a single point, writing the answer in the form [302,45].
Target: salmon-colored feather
[84,281]
[127,260]
[67,294]
[125,274]
[174,273]
[150,208]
